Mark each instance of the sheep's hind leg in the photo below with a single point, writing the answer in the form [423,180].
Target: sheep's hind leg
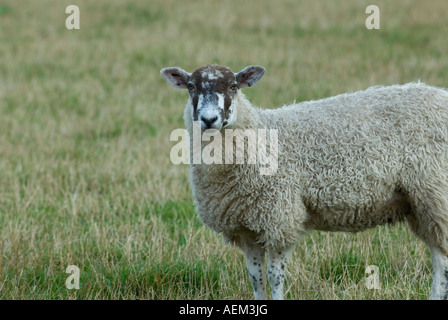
[277,260]
[439,289]
[255,255]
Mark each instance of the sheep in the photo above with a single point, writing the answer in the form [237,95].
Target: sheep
[345,163]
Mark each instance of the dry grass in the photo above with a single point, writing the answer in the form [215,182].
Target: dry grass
[85,118]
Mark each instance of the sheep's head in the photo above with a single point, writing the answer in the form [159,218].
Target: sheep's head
[212,90]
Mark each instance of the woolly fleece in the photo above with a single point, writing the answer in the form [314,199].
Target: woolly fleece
[345,163]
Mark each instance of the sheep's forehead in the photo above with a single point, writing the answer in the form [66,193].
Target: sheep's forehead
[213,78]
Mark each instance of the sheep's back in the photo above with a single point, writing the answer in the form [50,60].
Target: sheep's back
[353,153]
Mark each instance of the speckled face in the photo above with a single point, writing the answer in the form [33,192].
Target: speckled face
[212,89]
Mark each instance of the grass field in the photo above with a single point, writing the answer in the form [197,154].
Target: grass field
[85,119]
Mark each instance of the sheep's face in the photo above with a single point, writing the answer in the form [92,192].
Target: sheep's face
[212,91]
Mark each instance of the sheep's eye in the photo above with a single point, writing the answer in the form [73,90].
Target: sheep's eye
[190,87]
[233,87]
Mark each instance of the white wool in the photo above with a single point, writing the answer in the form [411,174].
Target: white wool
[346,163]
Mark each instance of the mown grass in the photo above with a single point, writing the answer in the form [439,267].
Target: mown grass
[85,119]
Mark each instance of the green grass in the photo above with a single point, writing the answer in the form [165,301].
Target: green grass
[85,119]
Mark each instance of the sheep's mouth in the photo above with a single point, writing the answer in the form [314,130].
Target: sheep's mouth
[211,131]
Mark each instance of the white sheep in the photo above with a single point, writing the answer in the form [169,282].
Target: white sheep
[345,163]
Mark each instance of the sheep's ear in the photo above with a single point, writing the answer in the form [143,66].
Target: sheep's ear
[176,77]
[249,76]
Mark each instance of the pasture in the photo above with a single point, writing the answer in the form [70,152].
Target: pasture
[85,120]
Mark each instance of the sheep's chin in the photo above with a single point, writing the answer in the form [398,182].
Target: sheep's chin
[211,131]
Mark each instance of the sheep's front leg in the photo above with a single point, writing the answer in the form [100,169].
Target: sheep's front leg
[439,289]
[277,260]
[254,253]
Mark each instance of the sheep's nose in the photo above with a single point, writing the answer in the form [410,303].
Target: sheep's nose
[209,121]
